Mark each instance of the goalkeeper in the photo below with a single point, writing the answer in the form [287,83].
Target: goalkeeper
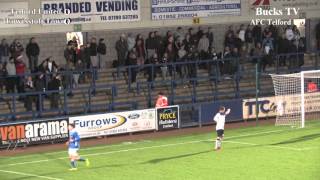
[220,119]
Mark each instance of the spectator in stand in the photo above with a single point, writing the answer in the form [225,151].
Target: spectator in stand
[122,50]
[249,38]
[132,60]
[94,63]
[210,36]
[152,73]
[151,45]
[257,33]
[301,51]
[318,35]
[256,53]
[20,70]
[235,61]
[268,47]
[241,33]
[187,42]
[216,65]
[4,51]
[182,68]
[199,34]
[229,31]
[227,62]
[159,44]
[312,86]
[74,42]
[203,47]
[68,54]
[229,41]
[283,49]
[3,75]
[289,33]
[131,41]
[54,85]
[40,86]
[16,48]
[78,71]
[192,56]
[102,51]
[49,67]
[11,80]
[193,37]
[162,101]
[179,35]
[33,52]
[293,58]
[296,34]
[94,53]
[29,88]
[141,53]
[164,66]
[84,56]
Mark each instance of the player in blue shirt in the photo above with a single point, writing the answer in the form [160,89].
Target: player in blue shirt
[74,145]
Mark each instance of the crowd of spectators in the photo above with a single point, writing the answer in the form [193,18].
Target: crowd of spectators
[18,76]
[241,45]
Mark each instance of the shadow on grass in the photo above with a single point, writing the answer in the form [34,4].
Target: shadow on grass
[299,139]
[155,161]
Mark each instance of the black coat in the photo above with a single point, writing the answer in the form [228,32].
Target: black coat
[54,84]
[102,48]
[93,49]
[32,49]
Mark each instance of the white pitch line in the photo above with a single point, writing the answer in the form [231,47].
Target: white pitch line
[30,175]
[135,149]
[144,141]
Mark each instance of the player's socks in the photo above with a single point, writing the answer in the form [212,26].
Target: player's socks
[217,143]
[81,159]
[73,164]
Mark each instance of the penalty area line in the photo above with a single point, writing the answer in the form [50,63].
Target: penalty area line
[29,175]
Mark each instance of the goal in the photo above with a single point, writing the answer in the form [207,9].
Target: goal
[297,97]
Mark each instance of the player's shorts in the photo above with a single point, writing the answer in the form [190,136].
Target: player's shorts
[73,151]
[220,132]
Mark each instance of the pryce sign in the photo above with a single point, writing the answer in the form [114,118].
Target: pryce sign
[168,118]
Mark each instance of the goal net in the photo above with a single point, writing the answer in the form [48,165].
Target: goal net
[297,97]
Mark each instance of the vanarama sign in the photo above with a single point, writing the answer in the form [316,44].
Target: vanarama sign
[34,132]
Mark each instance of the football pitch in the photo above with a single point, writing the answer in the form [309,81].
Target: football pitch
[263,152]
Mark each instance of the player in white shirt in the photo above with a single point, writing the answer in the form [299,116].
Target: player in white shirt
[220,119]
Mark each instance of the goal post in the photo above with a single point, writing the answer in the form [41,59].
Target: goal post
[297,97]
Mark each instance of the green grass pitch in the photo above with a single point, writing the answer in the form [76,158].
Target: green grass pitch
[263,152]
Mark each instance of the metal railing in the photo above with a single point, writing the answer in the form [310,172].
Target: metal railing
[171,82]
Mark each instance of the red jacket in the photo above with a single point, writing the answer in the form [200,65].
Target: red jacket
[20,68]
[312,87]
[162,101]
